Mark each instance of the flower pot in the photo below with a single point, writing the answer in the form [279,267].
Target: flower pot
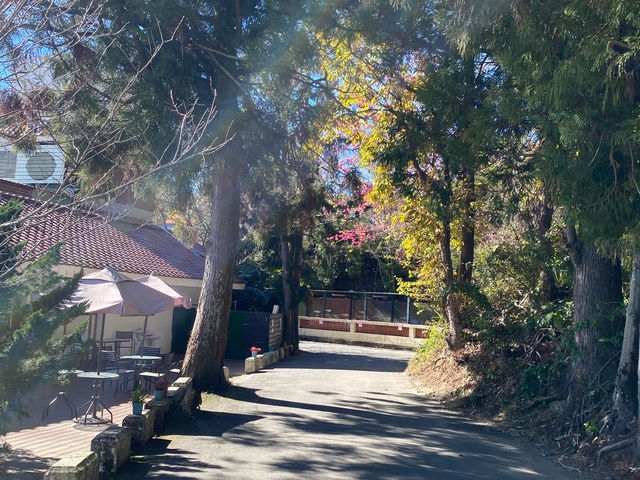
[159,395]
[254,354]
[137,408]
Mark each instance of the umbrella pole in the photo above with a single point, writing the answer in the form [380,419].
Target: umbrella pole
[104,317]
[144,334]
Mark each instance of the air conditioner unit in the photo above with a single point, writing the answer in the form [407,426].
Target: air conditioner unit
[44,166]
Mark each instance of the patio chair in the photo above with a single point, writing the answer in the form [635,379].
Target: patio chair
[78,343]
[152,350]
[158,370]
[126,335]
[150,378]
[112,363]
[174,370]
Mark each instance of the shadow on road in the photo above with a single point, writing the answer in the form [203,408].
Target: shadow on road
[431,442]
[345,361]
[172,461]
[158,456]
[343,433]
[22,465]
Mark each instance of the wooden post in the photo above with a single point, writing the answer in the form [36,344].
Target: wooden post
[393,307]
[408,306]
[365,307]
[350,306]
[324,304]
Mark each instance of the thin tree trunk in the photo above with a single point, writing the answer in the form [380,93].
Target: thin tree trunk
[544,218]
[467,233]
[597,292]
[207,343]
[286,283]
[636,453]
[451,309]
[295,277]
[290,258]
[625,392]
[451,305]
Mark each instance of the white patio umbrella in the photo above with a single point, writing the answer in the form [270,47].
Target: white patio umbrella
[158,285]
[108,291]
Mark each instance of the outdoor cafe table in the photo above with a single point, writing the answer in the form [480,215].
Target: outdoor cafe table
[62,393]
[95,401]
[139,361]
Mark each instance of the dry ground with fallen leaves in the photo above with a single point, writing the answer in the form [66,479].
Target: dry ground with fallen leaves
[451,378]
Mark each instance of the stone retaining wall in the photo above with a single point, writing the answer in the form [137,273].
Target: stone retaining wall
[111,447]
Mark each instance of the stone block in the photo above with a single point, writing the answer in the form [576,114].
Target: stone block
[179,388]
[75,466]
[269,358]
[183,382]
[225,370]
[160,409]
[190,402]
[113,447]
[290,349]
[281,353]
[250,365]
[141,427]
[286,351]
[261,361]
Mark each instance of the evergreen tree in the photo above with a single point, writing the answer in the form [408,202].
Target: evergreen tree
[223,51]
[576,64]
[29,354]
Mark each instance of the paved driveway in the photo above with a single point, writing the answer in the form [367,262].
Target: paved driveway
[335,411]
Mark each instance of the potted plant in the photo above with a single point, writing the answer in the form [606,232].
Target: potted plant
[161,390]
[255,351]
[136,400]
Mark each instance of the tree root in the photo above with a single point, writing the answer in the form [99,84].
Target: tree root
[539,400]
[613,447]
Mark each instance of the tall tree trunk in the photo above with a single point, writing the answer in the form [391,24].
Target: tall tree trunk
[626,389]
[286,282]
[290,258]
[295,275]
[636,453]
[544,218]
[597,292]
[451,308]
[467,233]
[207,343]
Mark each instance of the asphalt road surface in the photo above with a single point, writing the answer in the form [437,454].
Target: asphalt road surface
[335,411]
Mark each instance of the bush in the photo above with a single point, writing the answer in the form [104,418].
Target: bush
[433,342]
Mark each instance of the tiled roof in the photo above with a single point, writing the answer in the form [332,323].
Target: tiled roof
[89,241]
[16,188]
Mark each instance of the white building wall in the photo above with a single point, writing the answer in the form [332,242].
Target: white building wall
[158,326]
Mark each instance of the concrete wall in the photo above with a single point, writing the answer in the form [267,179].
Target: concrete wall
[382,334]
